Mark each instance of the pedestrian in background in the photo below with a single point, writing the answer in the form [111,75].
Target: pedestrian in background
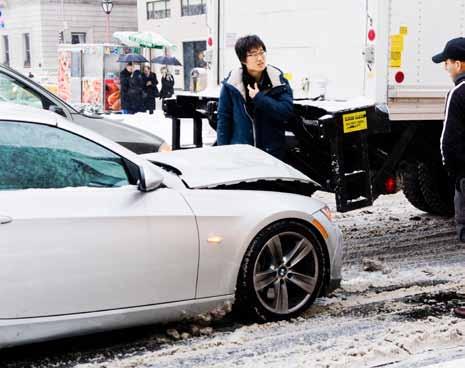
[453,134]
[167,83]
[255,101]
[136,87]
[124,78]
[150,91]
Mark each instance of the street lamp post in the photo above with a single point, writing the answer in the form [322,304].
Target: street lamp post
[107,6]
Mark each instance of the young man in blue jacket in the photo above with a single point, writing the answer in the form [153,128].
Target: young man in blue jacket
[255,101]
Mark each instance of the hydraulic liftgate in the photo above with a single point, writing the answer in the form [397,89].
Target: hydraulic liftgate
[331,142]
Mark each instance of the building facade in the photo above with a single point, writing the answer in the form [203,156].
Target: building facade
[182,22]
[31,30]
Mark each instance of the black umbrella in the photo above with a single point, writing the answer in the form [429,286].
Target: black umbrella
[166,60]
[132,58]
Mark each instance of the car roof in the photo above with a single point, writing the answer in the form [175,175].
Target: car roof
[14,112]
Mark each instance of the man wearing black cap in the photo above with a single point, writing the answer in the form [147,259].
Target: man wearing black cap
[453,134]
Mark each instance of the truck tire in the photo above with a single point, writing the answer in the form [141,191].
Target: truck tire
[435,189]
[411,187]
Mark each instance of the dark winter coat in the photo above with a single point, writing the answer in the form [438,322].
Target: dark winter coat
[136,86]
[124,77]
[272,107]
[150,92]
[453,135]
[167,86]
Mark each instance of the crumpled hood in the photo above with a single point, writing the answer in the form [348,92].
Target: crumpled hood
[211,167]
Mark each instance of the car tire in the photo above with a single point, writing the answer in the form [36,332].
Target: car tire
[282,273]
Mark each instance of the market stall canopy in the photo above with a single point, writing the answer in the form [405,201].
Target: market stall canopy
[150,40]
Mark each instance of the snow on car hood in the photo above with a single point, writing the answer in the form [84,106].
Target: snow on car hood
[210,167]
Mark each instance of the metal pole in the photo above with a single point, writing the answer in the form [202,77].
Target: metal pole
[107,28]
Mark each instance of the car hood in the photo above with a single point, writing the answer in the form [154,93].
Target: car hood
[137,140]
[212,167]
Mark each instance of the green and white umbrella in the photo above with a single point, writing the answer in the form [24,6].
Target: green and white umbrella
[150,40]
[123,37]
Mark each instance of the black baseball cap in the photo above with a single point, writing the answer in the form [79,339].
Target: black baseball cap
[455,50]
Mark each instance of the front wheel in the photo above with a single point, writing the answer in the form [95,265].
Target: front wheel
[282,272]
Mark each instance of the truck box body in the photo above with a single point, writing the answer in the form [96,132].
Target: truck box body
[380,49]
[378,127]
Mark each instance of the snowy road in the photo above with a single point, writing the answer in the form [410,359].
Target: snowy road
[403,274]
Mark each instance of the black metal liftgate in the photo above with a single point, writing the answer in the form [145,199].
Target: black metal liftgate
[331,147]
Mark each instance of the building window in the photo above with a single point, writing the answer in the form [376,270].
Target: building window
[6,47]
[193,7]
[27,50]
[158,9]
[78,37]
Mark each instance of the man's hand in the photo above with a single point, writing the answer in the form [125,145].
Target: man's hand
[253,91]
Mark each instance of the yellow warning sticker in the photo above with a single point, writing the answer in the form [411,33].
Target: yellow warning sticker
[355,122]
[403,30]
[397,43]
[395,61]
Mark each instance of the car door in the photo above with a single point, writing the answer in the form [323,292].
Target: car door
[76,235]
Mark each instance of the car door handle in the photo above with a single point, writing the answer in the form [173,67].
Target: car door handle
[5,220]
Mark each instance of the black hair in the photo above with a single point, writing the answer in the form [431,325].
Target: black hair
[247,43]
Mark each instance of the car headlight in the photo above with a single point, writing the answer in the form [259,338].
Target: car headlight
[165,147]
[327,212]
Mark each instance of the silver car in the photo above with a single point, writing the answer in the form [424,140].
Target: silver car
[16,88]
[94,237]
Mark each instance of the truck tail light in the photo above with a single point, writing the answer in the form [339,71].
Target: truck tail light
[371,35]
[400,77]
[390,185]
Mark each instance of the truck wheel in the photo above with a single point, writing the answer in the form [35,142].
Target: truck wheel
[411,187]
[435,189]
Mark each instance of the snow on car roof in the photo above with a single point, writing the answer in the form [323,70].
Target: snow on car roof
[16,112]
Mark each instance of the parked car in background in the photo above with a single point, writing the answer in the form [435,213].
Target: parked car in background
[95,237]
[19,89]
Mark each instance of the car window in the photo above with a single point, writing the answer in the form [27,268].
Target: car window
[40,156]
[13,91]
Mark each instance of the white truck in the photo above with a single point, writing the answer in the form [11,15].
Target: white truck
[343,58]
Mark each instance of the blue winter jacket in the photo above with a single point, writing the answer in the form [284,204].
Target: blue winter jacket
[272,108]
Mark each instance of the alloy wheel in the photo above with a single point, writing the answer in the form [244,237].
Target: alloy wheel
[286,272]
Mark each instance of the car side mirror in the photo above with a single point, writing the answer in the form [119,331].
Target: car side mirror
[149,179]
[57,110]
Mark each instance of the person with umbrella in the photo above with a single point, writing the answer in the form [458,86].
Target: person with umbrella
[136,92]
[131,84]
[167,80]
[167,83]
[150,83]
[125,77]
